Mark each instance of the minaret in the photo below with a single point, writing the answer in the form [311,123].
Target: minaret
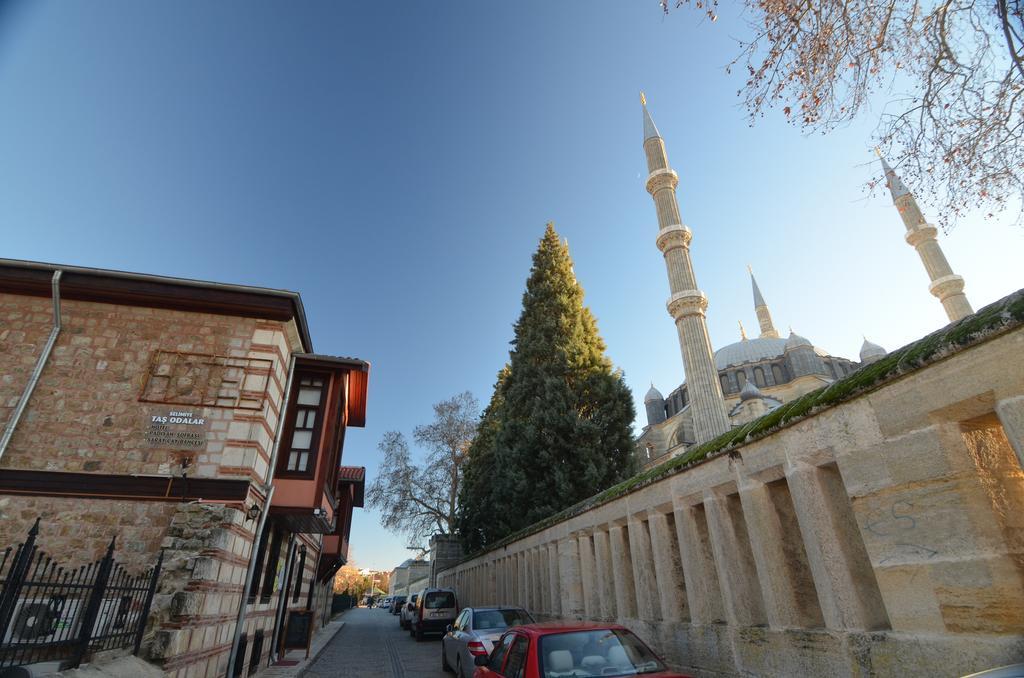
[761,309]
[687,304]
[947,286]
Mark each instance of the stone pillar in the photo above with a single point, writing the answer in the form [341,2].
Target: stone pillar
[605,575]
[699,572]
[786,582]
[588,575]
[622,569]
[538,581]
[644,576]
[668,569]
[445,551]
[553,580]
[570,582]
[530,594]
[843,575]
[492,583]
[737,573]
[524,579]
[1011,415]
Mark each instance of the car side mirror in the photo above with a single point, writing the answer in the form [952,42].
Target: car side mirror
[480,660]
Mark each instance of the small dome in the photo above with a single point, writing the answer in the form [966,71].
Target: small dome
[749,392]
[870,351]
[796,341]
[653,395]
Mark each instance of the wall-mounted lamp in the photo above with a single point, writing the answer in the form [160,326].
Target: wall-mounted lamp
[253,512]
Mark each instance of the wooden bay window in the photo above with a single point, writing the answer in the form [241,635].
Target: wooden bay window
[305,424]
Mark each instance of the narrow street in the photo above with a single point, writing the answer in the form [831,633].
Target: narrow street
[371,645]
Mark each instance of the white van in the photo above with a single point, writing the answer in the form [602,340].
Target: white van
[435,610]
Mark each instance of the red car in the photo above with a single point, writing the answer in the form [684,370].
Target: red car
[570,650]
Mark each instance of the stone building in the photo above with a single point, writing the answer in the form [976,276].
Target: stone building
[744,380]
[408,576]
[187,416]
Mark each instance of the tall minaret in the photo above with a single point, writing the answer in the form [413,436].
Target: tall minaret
[947,286]
[687,303]
[761,309]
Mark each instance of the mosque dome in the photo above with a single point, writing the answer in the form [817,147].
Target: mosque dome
[749,392]
[870,351]
[653,395]
[749,351]
[756,350]
[796,341]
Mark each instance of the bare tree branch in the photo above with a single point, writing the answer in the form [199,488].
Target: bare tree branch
[418,500]
[952,71]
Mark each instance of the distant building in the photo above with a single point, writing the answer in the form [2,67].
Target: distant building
[409,577]
[179,415]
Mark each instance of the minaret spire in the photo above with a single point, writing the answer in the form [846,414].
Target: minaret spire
[922,236]
[764,318]
[687,305]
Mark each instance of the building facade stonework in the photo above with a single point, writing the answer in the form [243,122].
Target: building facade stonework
[163,416]
[876,533]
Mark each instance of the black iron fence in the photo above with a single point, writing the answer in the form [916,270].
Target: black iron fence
[57,616]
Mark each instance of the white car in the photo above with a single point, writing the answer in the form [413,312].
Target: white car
[474,634]
[407,612]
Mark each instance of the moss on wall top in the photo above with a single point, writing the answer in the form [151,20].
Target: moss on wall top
[984,325]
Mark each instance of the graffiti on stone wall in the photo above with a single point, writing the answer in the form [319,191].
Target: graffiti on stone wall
[897,524]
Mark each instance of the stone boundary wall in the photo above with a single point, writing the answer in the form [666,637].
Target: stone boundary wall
[881,534]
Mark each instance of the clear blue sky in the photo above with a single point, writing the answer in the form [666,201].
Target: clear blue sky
[396,162]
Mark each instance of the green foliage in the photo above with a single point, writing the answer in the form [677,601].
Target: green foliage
[475,499]
[560,420]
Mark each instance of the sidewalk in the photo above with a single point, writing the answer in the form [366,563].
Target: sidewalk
[320,641]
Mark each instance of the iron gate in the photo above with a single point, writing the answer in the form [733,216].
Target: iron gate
[58,616]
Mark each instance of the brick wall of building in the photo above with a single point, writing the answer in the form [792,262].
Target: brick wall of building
[77,531]
[88,413]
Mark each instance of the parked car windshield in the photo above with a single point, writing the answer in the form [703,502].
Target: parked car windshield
[484,620]
[437,600]
[600,652]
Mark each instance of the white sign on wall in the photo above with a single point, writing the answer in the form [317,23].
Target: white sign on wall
[178,429]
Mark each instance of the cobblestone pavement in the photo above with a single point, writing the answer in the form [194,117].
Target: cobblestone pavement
[372,646]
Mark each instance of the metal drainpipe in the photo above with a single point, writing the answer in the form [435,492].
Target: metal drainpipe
[269,490]
[44,357]
[282,602]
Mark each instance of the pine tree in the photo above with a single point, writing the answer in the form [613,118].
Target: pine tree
[475,519]
[565,415]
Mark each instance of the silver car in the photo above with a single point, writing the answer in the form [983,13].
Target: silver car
[474,633]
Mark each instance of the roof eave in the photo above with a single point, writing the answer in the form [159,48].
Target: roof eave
[85,273]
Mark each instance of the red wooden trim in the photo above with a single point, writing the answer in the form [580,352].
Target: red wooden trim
[357,391]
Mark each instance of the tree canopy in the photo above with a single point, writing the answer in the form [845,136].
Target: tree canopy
[950,74]
[558,427]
